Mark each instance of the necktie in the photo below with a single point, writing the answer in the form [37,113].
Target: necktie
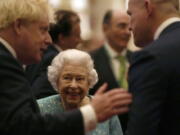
[122,72]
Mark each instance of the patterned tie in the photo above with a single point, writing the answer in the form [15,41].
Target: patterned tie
[122,72]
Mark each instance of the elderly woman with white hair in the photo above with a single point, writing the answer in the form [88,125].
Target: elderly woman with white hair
[72,74]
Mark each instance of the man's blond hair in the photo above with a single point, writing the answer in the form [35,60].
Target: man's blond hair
[29,10]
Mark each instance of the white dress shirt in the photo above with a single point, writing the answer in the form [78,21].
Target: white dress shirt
[115,63]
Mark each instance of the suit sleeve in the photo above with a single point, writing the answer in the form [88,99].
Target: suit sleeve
[19,113]
[146,81]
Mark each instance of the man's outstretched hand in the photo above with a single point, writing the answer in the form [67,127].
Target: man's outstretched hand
[112,102]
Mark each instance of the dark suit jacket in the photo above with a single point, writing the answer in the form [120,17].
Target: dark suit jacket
[37,74]
[19,113]
[154,81]
[103,67]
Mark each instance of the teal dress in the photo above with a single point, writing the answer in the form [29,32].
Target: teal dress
[52,105]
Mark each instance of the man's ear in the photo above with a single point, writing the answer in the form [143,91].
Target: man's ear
[149,7]
[18,25]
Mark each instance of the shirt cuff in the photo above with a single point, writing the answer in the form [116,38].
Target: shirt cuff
[89,117]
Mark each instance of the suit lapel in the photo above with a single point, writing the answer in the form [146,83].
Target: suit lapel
[107,65]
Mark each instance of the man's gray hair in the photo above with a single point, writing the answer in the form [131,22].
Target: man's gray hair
[71,56]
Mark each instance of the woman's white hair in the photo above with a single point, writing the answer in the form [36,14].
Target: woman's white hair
[71,56]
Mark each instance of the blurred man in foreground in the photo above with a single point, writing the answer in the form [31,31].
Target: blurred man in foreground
[154,76]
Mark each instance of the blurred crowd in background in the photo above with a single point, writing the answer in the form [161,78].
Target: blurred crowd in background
[91,13]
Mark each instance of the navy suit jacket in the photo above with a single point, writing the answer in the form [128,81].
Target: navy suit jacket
[37,74]
[102,65]
[154,80]
[103,68]
[19,113]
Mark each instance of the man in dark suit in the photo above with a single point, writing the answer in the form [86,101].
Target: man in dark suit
[23,38]
[154,76]
[117,35]
[65,33]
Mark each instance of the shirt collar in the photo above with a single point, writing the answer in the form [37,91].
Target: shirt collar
[164,25]
[8,47]
[111,52]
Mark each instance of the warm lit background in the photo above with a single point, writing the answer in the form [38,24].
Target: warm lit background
[91,13]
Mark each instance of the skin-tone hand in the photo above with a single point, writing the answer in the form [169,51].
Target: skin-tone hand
[112,102]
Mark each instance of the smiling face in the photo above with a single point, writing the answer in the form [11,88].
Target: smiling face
[117,31]
[73,85]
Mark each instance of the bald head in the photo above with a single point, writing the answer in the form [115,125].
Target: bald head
[172,3]
[147,16]
[114,14]
[120,14]
[169,5]
[116,29]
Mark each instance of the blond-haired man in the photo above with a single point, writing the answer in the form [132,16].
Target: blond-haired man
[23,38]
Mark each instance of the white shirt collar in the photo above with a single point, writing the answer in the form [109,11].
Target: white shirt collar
[164,25]
[8,46]
[111,52]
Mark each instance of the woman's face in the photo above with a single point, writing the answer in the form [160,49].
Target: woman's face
[73,84]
